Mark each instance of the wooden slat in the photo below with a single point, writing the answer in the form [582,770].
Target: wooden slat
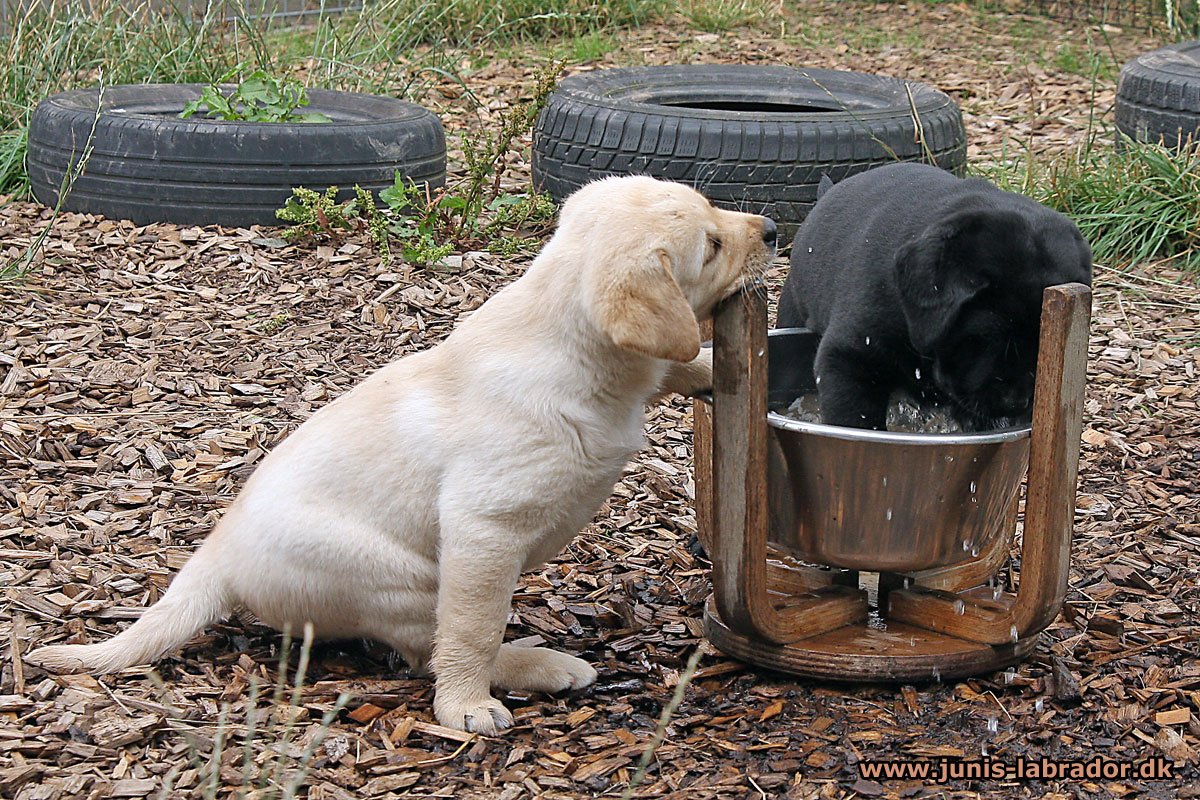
[976,571]
[702,470]
[739,463]
[739,514]
[702,456]
[1049,496]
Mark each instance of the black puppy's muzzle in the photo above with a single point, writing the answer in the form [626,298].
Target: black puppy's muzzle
[770,231]
[1016,395]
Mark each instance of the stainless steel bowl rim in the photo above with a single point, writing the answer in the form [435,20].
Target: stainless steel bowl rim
[1000,436]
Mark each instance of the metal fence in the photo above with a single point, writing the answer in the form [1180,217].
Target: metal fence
[1177,16]
[1140,14]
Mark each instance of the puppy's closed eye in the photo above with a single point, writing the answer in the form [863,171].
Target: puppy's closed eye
[714,249]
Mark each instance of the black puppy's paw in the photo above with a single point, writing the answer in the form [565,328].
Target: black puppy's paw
[852,394]
[840,407]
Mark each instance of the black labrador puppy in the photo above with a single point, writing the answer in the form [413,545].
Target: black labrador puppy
[924,282]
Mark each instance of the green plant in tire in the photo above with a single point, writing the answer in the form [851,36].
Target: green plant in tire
[258,98]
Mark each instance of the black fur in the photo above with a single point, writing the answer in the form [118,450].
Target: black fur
[922,281]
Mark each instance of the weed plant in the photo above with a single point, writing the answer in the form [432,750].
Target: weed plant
[664,721]
[313,215]
[274,762]
[431,224]
[12,159]
[15,270]
[1182,18]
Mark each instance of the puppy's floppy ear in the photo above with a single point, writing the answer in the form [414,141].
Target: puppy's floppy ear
[641,307]
[946,266]
[824,185]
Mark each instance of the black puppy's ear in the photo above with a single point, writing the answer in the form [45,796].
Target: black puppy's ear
[824,185]
[942,269]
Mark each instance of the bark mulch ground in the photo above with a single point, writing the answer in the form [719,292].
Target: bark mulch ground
[145,371]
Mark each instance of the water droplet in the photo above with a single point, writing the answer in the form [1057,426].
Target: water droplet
[996,592]
[974,552]
[889,513]
[868,341]
[912,641]
[983,751]
[818,380]
[1007,677]
[907,582]
[935,288]
[960,607]
[885,480]
[760,352]
[917,372]
[1039,704]
[973,486]
[975,460]
[936,674]
[966,546]
[993,724]
[1013,635]
[810,249]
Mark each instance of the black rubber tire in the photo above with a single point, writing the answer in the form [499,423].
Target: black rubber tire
[730,131]
[148,165]
[1158,95]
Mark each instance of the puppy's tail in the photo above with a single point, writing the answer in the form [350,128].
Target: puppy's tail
[194,600]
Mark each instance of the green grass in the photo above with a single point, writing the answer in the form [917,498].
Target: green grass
[12,155]
[396,47]
[588,47]
[1085,61]
[717,16]
[1136,203]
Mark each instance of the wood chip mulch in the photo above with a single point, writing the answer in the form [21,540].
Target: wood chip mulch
[145,371]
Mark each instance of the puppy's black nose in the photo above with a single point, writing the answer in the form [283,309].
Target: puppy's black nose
[769,230]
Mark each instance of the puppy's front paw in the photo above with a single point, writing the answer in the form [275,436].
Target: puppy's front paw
[539,669]
[689,378]
[485,715]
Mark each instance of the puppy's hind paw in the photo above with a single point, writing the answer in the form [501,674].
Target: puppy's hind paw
[60,659]
[539,669]
[486,716]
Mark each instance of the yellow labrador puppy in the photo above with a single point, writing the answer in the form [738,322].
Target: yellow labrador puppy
[405,510]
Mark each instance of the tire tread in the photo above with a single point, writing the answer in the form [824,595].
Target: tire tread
[151,169]
[770,164]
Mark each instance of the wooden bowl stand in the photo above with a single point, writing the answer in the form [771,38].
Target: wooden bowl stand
[937,624]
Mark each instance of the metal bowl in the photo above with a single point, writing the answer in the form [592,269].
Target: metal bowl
[877,500]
